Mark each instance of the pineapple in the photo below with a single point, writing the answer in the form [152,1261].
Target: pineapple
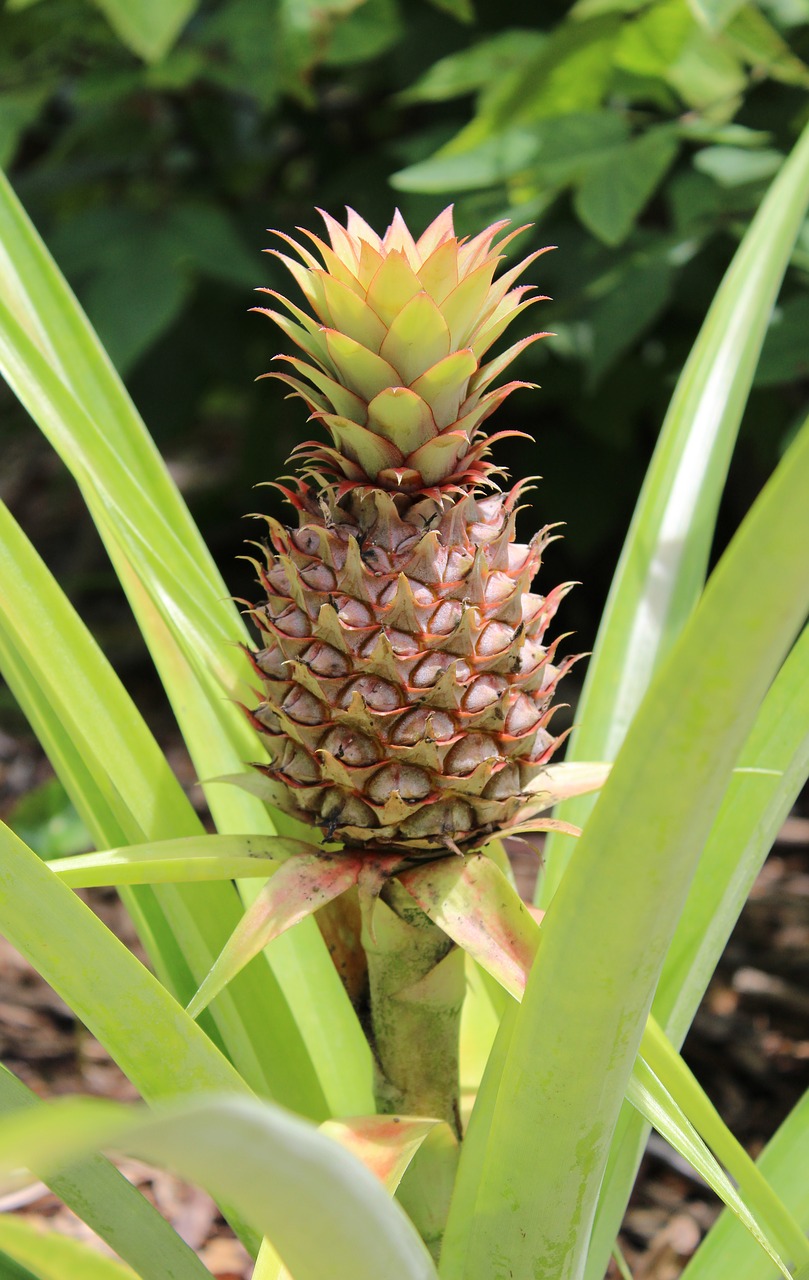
[406,684]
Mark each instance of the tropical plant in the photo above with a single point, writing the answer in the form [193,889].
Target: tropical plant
[699,694]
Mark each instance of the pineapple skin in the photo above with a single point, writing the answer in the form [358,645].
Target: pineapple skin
[407,688]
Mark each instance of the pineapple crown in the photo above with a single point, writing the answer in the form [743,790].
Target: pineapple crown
[394,351]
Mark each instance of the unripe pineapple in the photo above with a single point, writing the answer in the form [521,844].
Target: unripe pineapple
[406,685]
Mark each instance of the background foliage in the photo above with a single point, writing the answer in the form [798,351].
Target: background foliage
[152,145]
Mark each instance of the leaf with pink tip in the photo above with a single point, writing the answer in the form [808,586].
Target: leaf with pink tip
[445,385]
[394,284]
[462,308]
[437,459]
[500,319]
[333,263]
[370,261]
[341,242]
[473,902]
[299,887]
[402,417]
[374,453]
[488,372]
[440,230]
[305,278]
[313,346]
[572,778]
[362,371]
[439,273]
[343,401]
[417,339]
[385,1144]
[398,236]
[351,315]
[360,230]
[479,247]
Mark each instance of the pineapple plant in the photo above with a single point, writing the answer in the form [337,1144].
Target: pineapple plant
[406,689]
[407,686]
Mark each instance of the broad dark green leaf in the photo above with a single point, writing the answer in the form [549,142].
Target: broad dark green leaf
[614,192]
[733,166]
[147,27]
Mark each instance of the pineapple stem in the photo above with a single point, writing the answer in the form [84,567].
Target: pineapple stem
[416,987]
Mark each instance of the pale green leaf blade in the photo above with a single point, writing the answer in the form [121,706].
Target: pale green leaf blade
[281,1173]
[51,1256]
[674,1076]
[42,301]
[109,1204]
[125,791]
[748,821]
[178,598]
[207,857]
[662,565]
[605,939]
[727,1249]
[647,1094]
[299,887]
[473,902]
[144,1029]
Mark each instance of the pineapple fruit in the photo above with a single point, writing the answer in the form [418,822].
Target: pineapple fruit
[406,684]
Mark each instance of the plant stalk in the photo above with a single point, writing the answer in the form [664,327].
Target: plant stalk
[416,987]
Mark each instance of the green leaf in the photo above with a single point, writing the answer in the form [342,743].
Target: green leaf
[758,1197]
[125,791]
[51,1256]
[640,290]
[374,28]
[716,14]
[760,44]
[490,163]
[751,814]
[46,819]
[281,1173]
[206,857]
[727,1249]
[20,109]
[54,361]
[785,357]
[615,905]
[733,167]
[649,45]
[463,10]
[707,76]
[158,1047]
[615,191]
[655,1103]
[147,27]
[112,1207]
[473,68]
[569,74]
[555,152]
[662,566]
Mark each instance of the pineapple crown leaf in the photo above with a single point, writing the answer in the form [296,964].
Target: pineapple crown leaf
[395,334]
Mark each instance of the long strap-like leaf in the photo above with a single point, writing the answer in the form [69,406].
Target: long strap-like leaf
[534,1193]
[662,566]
